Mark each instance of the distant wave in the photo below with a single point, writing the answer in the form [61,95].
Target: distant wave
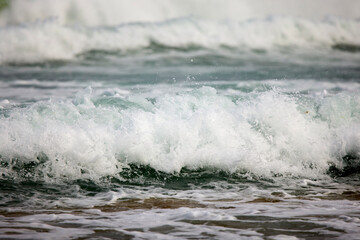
[50,40]
[114,12]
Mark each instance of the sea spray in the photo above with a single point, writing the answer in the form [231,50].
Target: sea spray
[269,133]
[205,119]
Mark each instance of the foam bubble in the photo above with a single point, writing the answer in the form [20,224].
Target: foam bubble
[270,133]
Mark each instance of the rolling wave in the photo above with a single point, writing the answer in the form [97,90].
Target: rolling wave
[97,135]
[113,12]
[49,40]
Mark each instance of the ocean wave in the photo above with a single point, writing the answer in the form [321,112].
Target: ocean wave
[97,135]
[49,40]
[113,12]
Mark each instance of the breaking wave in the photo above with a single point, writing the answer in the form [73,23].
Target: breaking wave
[113,12]
[98,135]
[49,40]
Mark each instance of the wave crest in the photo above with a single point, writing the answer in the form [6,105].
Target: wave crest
[114,12]
[269,133]
[50,40]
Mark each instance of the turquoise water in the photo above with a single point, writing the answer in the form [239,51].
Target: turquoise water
[177,123]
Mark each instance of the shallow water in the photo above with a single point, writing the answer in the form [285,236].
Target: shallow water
[180,124]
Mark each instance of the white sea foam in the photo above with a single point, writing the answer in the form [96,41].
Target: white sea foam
[113,12]
[50,40]
[270,133]
[233,221]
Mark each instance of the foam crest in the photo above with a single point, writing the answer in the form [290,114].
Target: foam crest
[68,42]
[268,134]
[113,12]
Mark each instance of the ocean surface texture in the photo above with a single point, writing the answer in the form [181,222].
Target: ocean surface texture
[204,119]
